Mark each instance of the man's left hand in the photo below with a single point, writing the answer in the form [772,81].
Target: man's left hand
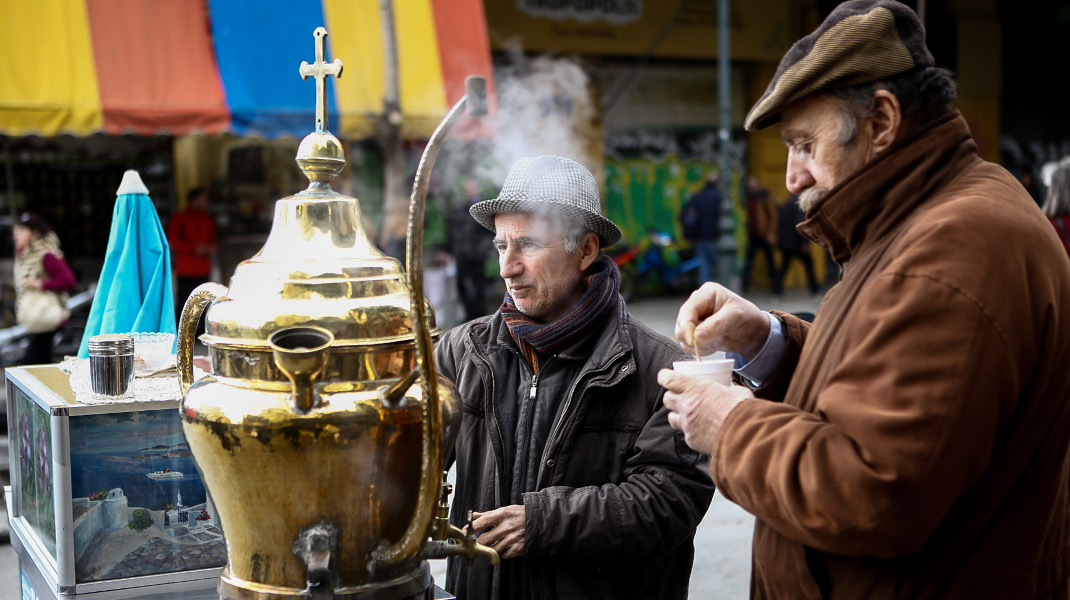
[699,406]
[506,534]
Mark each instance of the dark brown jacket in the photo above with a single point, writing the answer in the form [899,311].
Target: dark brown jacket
[618,493]
[921,448]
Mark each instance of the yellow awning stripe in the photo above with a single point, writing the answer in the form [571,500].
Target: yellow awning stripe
[48,82]
[360,90]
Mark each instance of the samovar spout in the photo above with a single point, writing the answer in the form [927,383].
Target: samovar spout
[301,353]
[317,546]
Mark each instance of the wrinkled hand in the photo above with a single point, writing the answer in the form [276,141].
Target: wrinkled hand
[699,406]
[716,318]
[506,530]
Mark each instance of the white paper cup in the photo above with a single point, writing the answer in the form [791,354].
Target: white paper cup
[718,370]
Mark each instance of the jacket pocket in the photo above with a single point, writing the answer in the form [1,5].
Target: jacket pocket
[599,452]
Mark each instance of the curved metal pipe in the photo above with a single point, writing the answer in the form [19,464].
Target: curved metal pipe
[202,296]
[416,533]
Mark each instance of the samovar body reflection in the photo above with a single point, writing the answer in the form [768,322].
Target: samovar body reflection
[321,430]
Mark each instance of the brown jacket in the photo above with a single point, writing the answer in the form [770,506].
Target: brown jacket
[921,447]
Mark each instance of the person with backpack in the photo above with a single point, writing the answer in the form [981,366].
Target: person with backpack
[700,220]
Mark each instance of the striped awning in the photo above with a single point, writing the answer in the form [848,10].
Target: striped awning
[180,66]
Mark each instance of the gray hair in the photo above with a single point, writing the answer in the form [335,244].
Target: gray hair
[573,232]
[1058,202]
[924,94]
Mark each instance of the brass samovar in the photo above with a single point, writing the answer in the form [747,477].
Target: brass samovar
[322,428]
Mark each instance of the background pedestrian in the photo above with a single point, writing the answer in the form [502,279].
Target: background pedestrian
[42,280]
[700,221]
[761,230]
[792,245]
[192,236]
[1057,205]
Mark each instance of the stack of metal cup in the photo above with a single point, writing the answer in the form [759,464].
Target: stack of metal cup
[111,364]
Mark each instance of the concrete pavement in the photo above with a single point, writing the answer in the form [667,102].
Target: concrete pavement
[722,543]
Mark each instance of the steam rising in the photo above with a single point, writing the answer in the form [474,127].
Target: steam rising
[544,106]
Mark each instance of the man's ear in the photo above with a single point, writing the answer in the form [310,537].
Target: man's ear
[588,250]
[887,120]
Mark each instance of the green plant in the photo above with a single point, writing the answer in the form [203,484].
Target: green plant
[140,520]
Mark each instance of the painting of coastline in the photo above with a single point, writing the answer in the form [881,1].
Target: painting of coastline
[140,507]
[33,430]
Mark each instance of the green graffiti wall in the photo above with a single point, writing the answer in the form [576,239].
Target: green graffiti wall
[650,192]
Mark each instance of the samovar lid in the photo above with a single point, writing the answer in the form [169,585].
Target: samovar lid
[318,265]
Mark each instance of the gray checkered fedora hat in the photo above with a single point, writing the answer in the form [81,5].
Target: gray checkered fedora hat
[550,185]
[860,42]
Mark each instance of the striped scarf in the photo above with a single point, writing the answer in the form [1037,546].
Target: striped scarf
[533,338]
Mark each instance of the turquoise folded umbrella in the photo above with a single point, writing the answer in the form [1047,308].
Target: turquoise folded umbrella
[134,290]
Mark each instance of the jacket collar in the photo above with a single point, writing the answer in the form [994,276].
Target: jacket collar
[876,199]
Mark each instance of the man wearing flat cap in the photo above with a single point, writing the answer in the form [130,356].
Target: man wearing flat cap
[565,451]
[914,441]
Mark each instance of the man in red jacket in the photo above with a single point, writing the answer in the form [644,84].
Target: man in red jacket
[192,236]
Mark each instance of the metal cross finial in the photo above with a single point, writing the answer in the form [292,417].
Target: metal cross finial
[320,70]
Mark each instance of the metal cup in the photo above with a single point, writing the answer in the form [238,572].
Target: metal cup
[111,364]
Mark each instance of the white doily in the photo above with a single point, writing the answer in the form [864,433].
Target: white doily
[161,385]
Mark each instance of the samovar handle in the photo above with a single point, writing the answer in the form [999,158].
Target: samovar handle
[475,99]
[202,296]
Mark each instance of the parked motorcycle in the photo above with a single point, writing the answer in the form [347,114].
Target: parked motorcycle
[657,262]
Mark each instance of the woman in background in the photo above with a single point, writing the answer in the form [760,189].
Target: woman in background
[42,279]
[1057,206]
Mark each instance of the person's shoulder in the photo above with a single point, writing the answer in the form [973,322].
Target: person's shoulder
[982,234]
[478,329]
[651,349]
[984,200]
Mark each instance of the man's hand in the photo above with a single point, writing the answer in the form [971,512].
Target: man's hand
[506,534]
[699,406]
[715,319]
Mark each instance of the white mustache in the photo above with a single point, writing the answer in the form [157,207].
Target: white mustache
[811,196]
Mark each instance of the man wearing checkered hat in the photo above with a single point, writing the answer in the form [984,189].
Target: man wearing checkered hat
[914,441]
[565,451]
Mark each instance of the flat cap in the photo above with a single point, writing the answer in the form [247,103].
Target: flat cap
[861,41]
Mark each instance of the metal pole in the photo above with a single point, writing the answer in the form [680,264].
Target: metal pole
[10,176]
[395,201]
[726,247]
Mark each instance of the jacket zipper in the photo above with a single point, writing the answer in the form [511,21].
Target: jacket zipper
[494,410]
[564,411]
[534,386]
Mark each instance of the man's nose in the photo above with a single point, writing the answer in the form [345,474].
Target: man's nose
[797,177]
[509,264]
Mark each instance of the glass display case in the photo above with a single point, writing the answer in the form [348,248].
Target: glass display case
[106,496]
